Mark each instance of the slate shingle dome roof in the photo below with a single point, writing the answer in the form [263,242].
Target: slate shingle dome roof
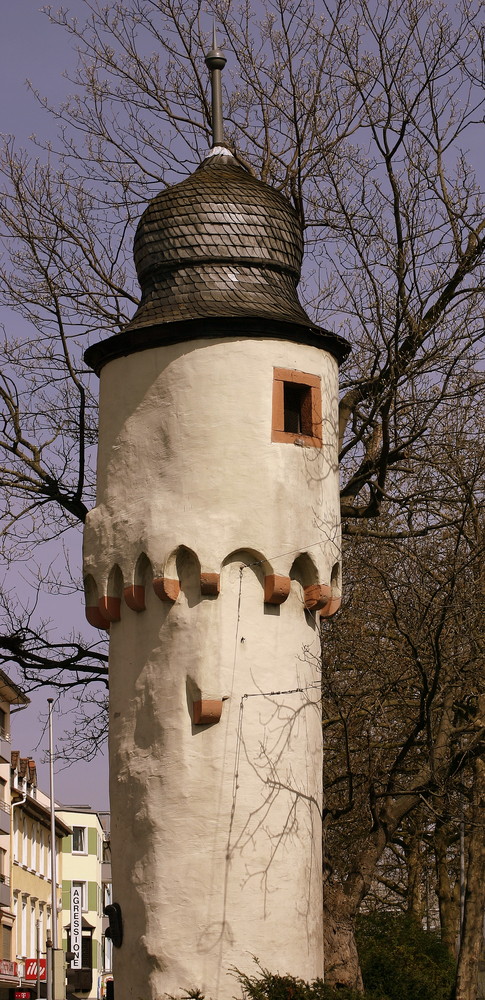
[218,244]
[217,255]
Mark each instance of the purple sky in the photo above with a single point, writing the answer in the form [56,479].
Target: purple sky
[32,48]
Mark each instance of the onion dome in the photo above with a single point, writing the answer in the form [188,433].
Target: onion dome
[217,255]
[219,244]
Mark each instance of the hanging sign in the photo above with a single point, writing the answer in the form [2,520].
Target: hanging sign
[8,968]
[76,927]
[31,968]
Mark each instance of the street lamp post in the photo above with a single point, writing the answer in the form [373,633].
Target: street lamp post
[53,993]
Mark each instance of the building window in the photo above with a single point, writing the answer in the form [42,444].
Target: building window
[42,921]
[297,408]
[87,951]
[80,980]
[41,851]
[107,894]
[23,927]
[107,954]
[16,836]
[79,845]
[84,895]
[6,942]
[25,842]
[38,847]
[29,827]
[31,932]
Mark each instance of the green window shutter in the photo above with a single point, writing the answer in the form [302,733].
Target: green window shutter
[95,953]
[92,842]
[66,845]
[92,896]
[66,895]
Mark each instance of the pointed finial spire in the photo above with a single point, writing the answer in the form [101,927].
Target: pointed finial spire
[215,61]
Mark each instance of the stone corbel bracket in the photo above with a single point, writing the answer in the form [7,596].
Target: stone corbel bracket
[102,611]
[320,597]
[210,584]
[165,589]
[206,711]
[276,588]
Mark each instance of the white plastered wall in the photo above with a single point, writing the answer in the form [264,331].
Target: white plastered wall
[216,830]
[186,457]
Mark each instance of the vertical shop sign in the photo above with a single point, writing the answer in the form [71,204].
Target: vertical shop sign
[76,927]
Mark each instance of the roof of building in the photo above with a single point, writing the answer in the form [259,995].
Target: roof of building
[30,801]
[217,255]
[25,766]
[219,246]
[9,691]
[219,243]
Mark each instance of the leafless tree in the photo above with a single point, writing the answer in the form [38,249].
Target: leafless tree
[404,722]
[367,115]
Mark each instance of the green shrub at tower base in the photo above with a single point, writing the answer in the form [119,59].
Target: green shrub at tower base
[402,961]
[399,961]
[265,985]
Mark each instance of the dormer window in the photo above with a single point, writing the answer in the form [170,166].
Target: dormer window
[297,408]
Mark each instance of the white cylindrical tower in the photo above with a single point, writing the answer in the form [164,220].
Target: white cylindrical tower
[212,551]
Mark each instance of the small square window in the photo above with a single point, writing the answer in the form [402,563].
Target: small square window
[297,408]
[79,840]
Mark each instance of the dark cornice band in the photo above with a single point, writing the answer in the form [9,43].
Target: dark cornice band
[210,328]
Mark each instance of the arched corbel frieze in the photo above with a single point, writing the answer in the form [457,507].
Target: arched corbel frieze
[110,603]
[93,614]
[257,563]
[135,593]
[183,564]
[335,601]
[317,596]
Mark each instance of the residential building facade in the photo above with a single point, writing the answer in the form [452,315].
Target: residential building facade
[85,868]
[82,860]
[31,872]
[10,695]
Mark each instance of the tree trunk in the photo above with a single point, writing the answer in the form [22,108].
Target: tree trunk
[466,986]
[448,894]
[342,966]
[340,907]
[414,854]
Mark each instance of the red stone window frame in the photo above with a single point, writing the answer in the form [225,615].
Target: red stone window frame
[310,402]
